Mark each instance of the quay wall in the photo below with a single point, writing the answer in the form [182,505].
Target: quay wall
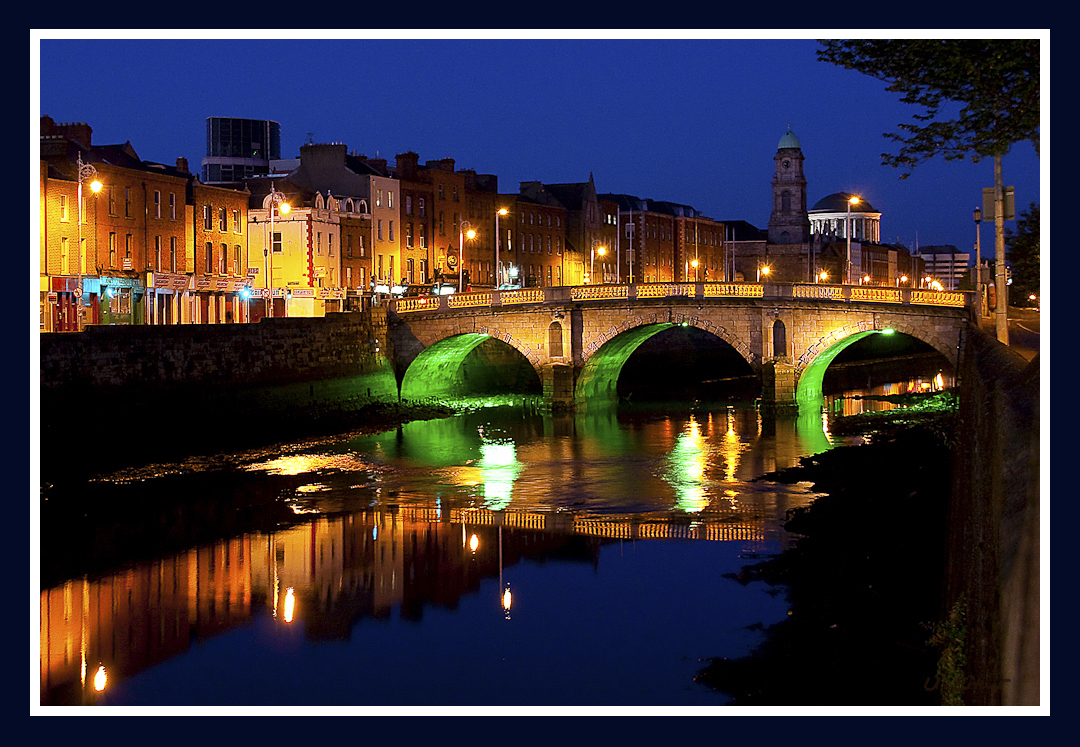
[115,391]
[993,553]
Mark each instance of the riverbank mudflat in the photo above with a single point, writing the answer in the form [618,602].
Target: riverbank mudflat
[864,580]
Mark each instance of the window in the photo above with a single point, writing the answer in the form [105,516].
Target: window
[120,300]
[442,227]
[209,257]
[442,193]
[127,202]
[423,236]
[378,198]
[409,235]
[65,259]
[63,208]
[420,202]
[348,245]
[112,249]
[408,204]
[208,218]
[236,260]
[330,244]
[112,201]
[223,222]
[236,221]
[157,203]
[172,254]
[318,242]
[456,195]
[172,206]
[127,250]
[379,233]
[157,253]
[276,241]
[389,199]
[391,236]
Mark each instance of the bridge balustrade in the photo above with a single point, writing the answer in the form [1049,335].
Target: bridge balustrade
[646,291]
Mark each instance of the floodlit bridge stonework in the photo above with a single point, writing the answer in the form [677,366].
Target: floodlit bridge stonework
[577,338]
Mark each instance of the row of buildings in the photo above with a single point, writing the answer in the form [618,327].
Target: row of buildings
[128,241]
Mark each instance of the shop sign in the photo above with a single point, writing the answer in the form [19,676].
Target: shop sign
[303,293]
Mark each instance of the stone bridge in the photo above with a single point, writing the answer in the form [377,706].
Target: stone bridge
[576,339]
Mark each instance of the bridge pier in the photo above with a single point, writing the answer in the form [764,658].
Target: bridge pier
[779,381]
[558,385]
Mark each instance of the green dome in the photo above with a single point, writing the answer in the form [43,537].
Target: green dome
[789,140]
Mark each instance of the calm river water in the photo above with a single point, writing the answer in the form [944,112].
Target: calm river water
[496,558]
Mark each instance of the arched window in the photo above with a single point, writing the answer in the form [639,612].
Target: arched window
[779,339]
[785,201]
[555,346]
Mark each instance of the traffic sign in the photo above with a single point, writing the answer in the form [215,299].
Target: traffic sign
[451,261]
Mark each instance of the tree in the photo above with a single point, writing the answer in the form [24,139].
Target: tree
[996,84]
[1022,251]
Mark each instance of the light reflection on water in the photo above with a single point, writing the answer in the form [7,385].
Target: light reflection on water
[614,531]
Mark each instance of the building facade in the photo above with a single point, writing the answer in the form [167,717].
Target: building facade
[238,149]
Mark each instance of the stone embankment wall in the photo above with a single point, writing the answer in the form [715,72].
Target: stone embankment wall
[115,390]
[994,522]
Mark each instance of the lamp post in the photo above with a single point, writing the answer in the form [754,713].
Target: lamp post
[276,199]
[763,270]
[978,263]
[498,264]
[462,233]
[597,248]
[695,265]
[853,200]
[85,171]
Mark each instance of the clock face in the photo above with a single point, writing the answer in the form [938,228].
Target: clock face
[787,163]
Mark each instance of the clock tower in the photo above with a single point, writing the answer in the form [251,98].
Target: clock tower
[789,222]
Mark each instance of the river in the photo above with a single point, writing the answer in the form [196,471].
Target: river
[500,557]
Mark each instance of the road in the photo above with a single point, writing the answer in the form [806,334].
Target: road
[1024,330]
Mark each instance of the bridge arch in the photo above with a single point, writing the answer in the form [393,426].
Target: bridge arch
[599,376]
[469,364]
[818,358]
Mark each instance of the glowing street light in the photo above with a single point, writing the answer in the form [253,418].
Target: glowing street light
[822,276]
[597,248]
[694,264]
[465,230]
[277,200]
[853,200]
[85,171]
[763,270]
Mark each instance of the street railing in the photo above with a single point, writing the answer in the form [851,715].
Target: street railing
[564,294]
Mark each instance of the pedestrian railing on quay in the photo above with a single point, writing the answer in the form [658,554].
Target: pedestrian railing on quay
[689,291]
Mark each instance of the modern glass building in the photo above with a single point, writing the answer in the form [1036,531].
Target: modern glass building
[239,148]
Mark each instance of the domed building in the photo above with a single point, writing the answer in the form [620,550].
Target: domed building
[829,219]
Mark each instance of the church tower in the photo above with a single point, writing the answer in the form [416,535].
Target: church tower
[789,222]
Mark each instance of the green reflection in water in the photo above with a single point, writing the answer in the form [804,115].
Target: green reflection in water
[600,374]
[686,469]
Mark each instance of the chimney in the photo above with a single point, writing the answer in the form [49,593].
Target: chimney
[181,165]
[407,164]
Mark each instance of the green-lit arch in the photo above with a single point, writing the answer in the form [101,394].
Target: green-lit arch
[600,374]
[808,395]
[440,370]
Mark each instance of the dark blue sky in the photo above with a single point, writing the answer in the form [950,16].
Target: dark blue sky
[692,121]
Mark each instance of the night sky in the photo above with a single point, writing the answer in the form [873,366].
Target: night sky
[688,120]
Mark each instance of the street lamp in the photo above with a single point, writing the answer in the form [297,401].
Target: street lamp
[462,233]
[498,264]
[822,276]
[853,200]
[597,248]
[85,171]
[763,270]
[276,199]
[978,262]
[694,264]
